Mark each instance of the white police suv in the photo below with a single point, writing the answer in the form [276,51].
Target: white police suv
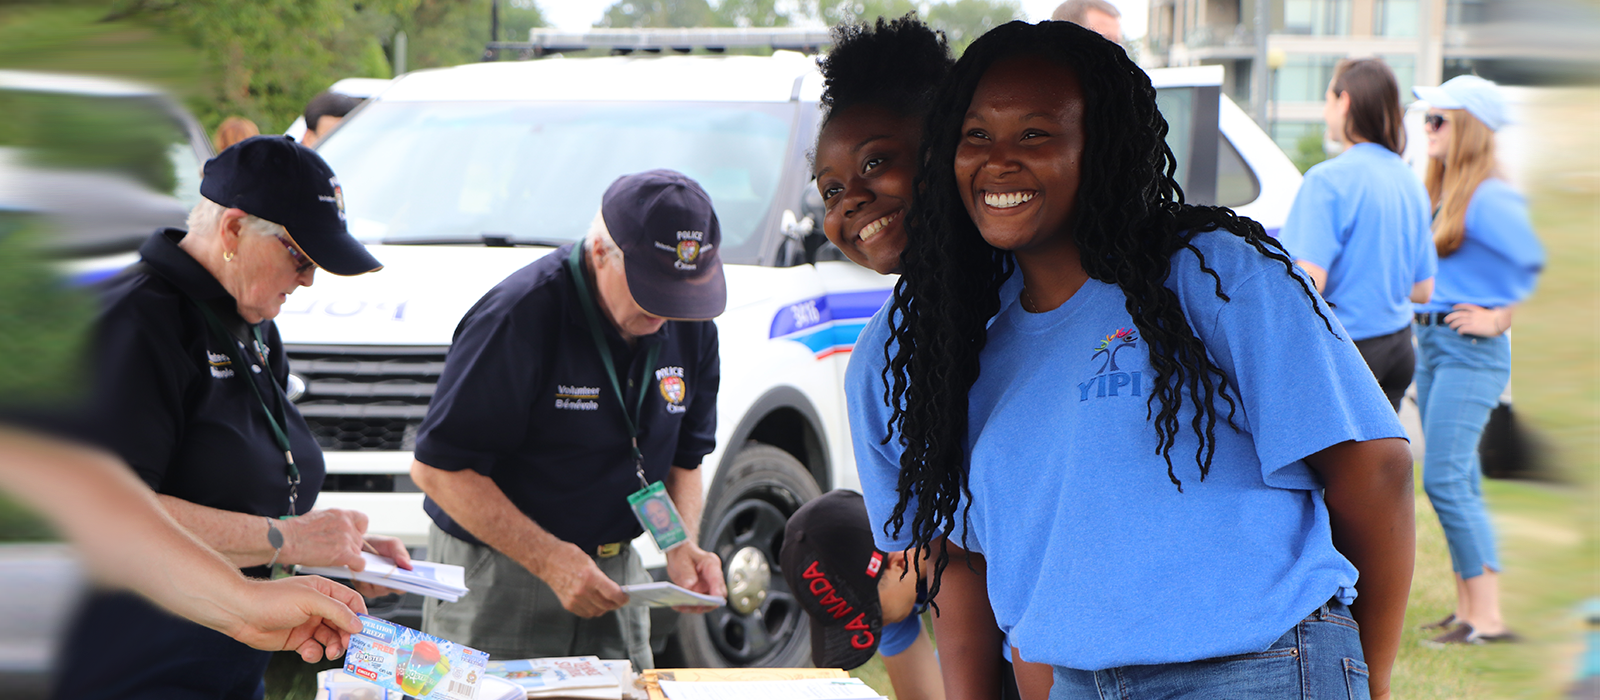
[458,176]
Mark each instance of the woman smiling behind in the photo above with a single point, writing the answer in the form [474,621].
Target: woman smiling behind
[877,84]
[1135,479]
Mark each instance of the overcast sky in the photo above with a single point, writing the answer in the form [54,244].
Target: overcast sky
[582,14]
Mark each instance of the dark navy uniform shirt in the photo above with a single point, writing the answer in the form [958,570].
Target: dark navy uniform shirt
[168,401]
[525,400]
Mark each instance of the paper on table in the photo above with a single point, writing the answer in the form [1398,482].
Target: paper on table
[806,689]
[663,594]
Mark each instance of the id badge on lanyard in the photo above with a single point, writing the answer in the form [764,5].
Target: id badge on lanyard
[651,504]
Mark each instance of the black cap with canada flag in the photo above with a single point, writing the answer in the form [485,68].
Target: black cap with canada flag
[833,567]
[276,179]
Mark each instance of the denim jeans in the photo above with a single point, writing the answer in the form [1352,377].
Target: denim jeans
[1319,659]
[1459,381]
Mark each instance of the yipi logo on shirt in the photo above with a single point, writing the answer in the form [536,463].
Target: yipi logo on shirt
[577,398]
[1109,379]
[673,388]
[822,590]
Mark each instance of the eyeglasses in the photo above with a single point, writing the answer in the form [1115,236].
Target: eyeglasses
[1435,122]
[301,262]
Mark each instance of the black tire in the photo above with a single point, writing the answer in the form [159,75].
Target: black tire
[748,509]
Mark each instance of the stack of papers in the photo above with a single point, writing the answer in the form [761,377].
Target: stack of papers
[799,689]
[446,582]
[585,677]
[664,594]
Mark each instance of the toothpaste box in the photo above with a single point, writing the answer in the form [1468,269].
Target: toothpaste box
[419,665]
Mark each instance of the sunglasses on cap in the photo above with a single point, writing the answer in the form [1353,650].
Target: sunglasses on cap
[302,264]
[1435,121]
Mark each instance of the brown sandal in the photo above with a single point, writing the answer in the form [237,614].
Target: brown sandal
[1446,622]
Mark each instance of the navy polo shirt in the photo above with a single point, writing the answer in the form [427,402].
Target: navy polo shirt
[525,401]
[170,403]
[167,400]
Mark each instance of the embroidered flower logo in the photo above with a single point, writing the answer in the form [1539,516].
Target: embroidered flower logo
[1113,344]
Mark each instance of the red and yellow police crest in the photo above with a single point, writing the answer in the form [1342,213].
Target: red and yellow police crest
[673,390]
[688,251]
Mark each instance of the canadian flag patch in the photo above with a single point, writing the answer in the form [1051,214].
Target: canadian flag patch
[875,565]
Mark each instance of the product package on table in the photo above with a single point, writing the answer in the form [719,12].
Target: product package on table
[414,663]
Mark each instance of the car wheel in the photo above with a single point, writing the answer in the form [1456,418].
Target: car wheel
[762,624]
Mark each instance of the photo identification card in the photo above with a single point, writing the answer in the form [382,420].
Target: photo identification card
[419,665]
[655,511]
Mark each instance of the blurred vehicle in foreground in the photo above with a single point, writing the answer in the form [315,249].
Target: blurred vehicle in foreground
[105,161]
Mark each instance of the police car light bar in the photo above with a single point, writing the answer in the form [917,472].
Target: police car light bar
[542,42]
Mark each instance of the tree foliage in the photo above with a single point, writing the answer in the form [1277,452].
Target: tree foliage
[962,21]
[264,59]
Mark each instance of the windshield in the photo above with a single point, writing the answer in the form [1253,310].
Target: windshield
[432,172]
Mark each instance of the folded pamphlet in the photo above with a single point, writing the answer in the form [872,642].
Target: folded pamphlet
[536,675]
[663,594]
[446,582]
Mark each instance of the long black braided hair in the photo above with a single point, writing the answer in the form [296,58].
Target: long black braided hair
[1129,221]
[895,63]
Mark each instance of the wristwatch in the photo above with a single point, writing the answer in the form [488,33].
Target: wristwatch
[274,538]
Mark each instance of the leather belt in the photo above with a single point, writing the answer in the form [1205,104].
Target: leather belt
[609,550]
[1431,319]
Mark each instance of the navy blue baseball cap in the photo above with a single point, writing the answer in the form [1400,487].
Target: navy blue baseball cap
[663,222]
[274,178]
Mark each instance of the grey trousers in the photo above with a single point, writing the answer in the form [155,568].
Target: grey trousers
[511,614]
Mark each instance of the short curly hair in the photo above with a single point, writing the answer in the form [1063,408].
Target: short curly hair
[898,63]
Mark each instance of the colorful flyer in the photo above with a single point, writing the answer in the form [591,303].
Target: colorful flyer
[419,665]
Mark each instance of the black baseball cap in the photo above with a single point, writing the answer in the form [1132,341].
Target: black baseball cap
[274,178]
[663,222]
[833,568]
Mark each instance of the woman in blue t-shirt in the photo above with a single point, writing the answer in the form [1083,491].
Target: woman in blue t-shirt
[1127,444]
[1359,225]
[1489,259]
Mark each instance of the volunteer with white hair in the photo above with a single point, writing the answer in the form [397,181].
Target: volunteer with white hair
[188,389]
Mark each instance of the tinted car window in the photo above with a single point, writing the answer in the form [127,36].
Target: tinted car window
[1236,184]
[439,171]
[1177,105]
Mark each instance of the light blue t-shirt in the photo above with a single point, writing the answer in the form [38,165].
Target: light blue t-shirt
[1499,259]
[1095,559]
[1363,217]
[899,636]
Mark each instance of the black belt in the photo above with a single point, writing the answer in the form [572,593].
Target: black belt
[1431,319]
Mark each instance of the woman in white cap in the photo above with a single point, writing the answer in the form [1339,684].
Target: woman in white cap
[1489,259]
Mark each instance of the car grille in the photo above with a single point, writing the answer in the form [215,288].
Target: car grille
[365,398]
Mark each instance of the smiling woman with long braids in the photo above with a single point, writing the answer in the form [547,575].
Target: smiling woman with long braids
[1158,459]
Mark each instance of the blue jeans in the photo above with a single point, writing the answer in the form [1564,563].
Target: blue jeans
[1319,659]
[1459,381]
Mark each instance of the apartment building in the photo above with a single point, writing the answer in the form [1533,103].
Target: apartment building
[1424,41]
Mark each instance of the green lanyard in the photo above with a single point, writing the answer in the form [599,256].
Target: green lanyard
[276,422]
[592,317]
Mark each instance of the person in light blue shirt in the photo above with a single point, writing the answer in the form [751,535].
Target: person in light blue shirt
[1489,259]
[1359,225]
[1139,471]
